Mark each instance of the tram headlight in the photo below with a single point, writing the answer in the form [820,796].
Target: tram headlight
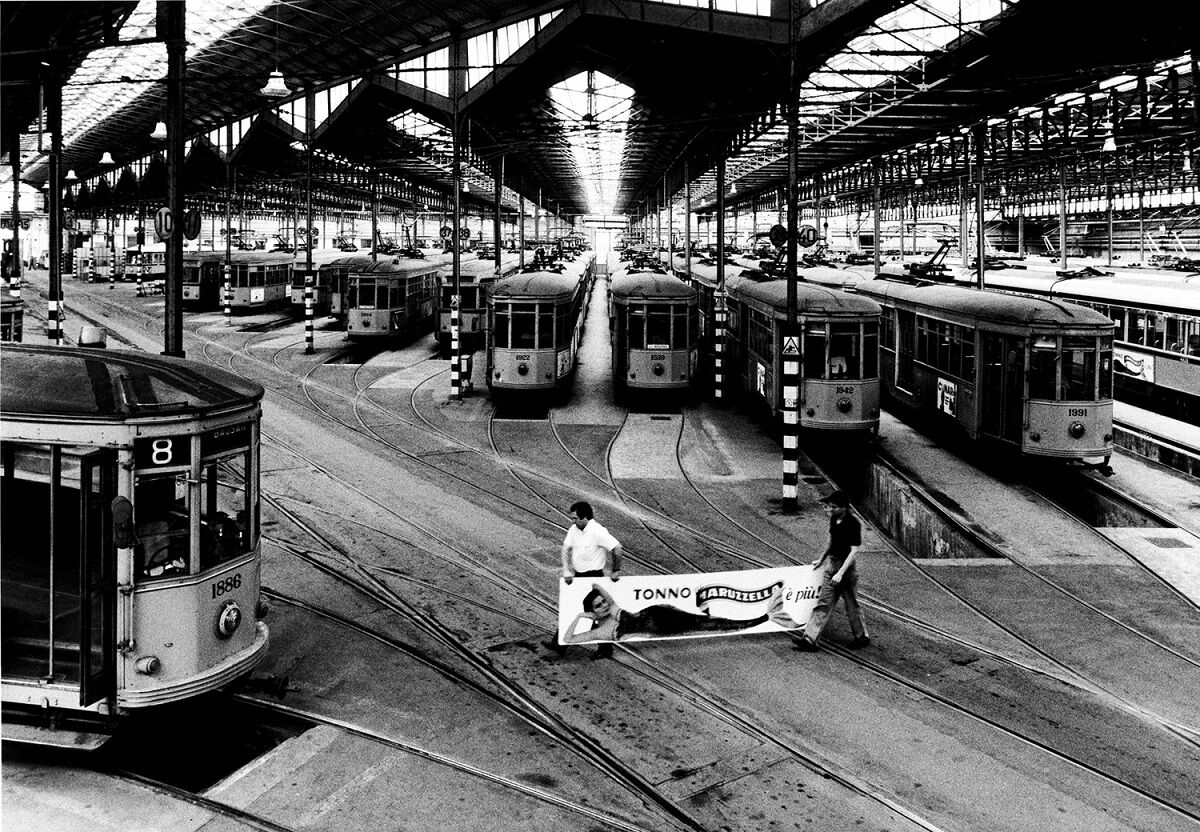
[522,369]
[1077,430]
[228,619]
[1108,437]
[1035,437]
[844,404]
[810,412]
[659,369]
[148,665]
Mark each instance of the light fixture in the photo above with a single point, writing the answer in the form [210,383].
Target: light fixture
[1187,163]
[1110,142]
[275,88]
[159,132]
[918,181]
[466,187]
[732,188]
[832,199]
[71,177]
[107,159]
[1003,190]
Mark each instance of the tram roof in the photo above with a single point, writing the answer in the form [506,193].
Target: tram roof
[986,303]
[650,285]
[546,285]
[810,298]
[1173,291]
[239,256]
[391,265]
[89,384]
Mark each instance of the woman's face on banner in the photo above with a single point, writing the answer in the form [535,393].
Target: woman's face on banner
[602,606]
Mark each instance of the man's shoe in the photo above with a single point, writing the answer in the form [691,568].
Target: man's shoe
[804,645]
[552,644]
[604,651]
[860,642]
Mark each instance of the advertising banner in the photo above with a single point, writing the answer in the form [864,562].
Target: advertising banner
[652,607]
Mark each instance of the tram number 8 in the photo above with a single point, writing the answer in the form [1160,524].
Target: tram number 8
[229,584]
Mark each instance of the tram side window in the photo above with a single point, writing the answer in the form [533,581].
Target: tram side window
[658,327]
[679,327]
[523,323]
[1106,368]
[844,351]
[814,350]
[1043,367]
[1078,369]
[888,320]
[546,326]
[870,350]
[500,325]
[637,327]
[225,510]
[694,330]
[758,334]
[160,514]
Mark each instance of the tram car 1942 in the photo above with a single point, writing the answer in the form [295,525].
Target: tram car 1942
[130,536]
[1032,374]
[836,347]
[257,279]
[535,327]
[654,328]
[475,277]
[396,297]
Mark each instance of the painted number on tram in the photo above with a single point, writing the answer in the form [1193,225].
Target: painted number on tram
[225,585]
[841,390]
[1077,411]
[162,452]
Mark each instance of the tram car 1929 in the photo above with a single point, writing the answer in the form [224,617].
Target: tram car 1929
[535,327]
[1032,374]
[475,277]
[130,536]
[257,279]
[836,348]
[396,297]
[654,328]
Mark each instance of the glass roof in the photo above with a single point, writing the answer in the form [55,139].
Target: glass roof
[594,110]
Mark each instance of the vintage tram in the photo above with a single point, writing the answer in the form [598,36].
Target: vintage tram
[1031,374]
[654,329]
[130,536]
[257,279]
[335,274]
[535,327]
[836,346]
[322,289]
[395,297]
[475,277]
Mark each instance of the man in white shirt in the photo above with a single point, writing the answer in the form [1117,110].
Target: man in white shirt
[588,551]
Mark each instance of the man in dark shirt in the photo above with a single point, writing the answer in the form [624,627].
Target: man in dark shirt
[840,577]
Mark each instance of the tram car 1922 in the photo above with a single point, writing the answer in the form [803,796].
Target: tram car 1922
[396,297]
[257,279]
[836,348]
[475,276]
[654,328]
[130,536]
[1032,374]
[535,327]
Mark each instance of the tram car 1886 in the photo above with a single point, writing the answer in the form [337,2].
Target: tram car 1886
[130,536]
[1032,374]
[836,347]
[257,279]
[654,328]
[475,277]
[396,297]
[535,327]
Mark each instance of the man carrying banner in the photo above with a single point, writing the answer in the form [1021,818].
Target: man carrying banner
[588,551]
[840,576]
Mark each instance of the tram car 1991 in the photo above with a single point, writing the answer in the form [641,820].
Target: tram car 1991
[396,297]
[654,328]
[535,327]
[257,279]
[475,276]
[130,536]
[1029,373]
[836,347]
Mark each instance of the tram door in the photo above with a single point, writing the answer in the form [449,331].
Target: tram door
[58,578]
[1002,391]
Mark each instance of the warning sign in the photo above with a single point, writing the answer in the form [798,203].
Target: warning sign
[791,345]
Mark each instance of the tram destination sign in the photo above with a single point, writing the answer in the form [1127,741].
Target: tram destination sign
[176,451]
[224,439]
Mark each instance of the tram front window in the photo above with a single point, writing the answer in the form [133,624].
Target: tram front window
[843,352]
[637,327]
[1043,367]
[658,327]
[160,514]
[1078,369]
[224,510]
[523,322]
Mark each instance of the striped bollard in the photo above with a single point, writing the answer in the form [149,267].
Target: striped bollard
[112,265]
[719,345]
[141,271]
[455,363]
[228,296]
[91,266]
[308,314]
[53,322]
[14,286]
[791,416]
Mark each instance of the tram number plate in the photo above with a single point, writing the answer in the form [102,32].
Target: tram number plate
[162,452]
[841,390]
[658,358]
[522,357]
[1077,411]
[225,585]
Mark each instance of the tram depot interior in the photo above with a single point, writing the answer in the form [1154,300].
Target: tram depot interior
[319,317]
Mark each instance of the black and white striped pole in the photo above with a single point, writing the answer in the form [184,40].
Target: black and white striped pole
[228,293]
[455,359]
[112,259]
[791,413]
[141,273]
[791,342]
[308,314]
[719,292]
